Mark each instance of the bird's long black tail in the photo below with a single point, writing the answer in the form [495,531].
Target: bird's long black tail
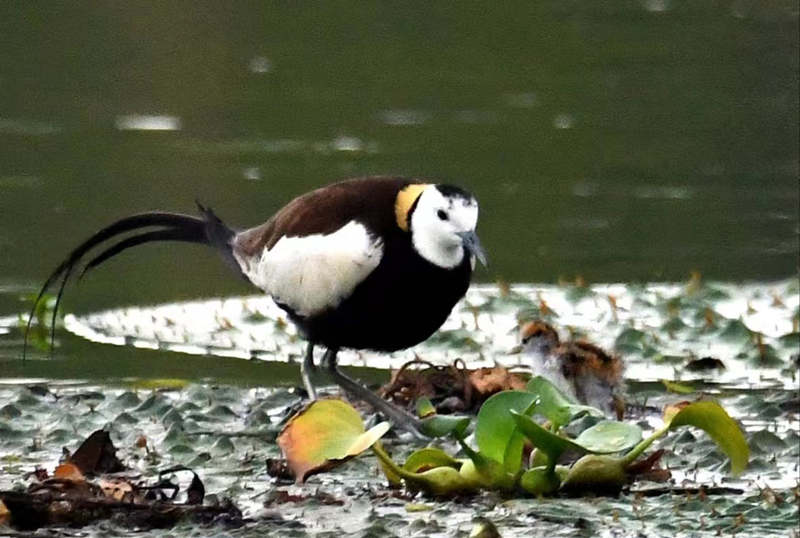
[138,229]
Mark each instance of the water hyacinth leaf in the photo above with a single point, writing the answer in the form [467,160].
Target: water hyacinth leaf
[512,459]
[671,411]
[438,482]
[443,425]
[597,473]
[556,406]
[495,425]
[429,458]
[394,479]
[425,408]
[551,444]
[489,473]
[539,481]
[484,529]
[610,436]
[323,435]
[715,421]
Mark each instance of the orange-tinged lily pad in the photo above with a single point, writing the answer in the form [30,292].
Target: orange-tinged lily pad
[325,434]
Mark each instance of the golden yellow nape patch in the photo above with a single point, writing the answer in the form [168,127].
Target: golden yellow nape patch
[406,199]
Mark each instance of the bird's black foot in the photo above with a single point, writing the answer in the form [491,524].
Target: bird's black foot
[399,417]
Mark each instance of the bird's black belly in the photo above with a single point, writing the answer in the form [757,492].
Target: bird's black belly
[400,304]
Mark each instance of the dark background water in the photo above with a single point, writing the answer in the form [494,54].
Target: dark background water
[620,141]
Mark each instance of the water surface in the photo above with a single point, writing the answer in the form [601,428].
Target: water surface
[622,141]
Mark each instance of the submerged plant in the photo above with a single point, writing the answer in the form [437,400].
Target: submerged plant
[41,321]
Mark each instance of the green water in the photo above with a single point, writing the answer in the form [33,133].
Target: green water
[621,141]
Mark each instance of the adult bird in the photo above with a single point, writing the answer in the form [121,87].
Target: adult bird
[373,263]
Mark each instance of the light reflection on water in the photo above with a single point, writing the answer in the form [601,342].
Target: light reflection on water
[147,123]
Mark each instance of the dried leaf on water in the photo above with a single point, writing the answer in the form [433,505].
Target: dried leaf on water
[326,433]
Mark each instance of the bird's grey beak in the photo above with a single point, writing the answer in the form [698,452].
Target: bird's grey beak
[473,246]
[516,350]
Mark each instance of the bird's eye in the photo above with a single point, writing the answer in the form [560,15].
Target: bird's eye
[442,215]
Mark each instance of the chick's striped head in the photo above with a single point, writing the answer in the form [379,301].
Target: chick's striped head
[539,337]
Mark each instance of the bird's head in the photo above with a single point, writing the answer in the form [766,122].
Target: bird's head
[442,221]
[538,337]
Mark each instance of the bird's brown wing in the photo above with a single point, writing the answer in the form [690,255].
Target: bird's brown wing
[369,201]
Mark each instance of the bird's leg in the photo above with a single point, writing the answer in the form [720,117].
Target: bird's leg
[390,411]
[307,369]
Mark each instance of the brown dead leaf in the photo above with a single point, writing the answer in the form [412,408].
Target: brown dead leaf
[69,472]
[39,473]
[451,389]
[97,455]
[647,469]
[671,410]
[118,489]
[5,515]
[489,381]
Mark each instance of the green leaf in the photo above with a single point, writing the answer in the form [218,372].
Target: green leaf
[429,458]
[551,444]
[539,481]
[425,408]
[439,481]
[605,437]
[596,473]
[495,426]
[556,406]
[677,388]
[610,436]
[715,421]
[323,435]
[512,458]
[489,473]
[443,425]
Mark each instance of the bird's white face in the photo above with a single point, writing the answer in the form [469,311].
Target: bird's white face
[443,226]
